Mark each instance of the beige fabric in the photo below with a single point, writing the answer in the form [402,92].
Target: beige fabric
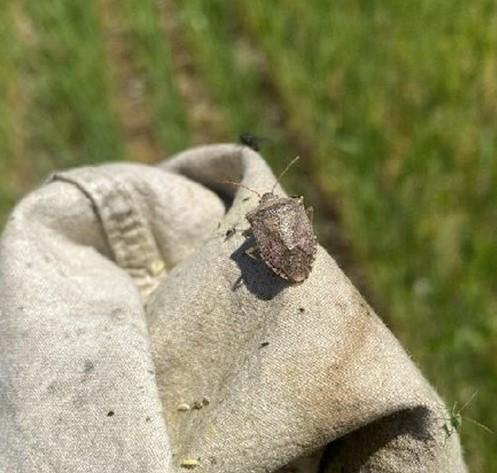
[136,337]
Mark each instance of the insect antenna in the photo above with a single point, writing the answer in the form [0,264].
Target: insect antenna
[469,419]
[456,417]
[289,165]
[466,403]
[479,424]
[239,184]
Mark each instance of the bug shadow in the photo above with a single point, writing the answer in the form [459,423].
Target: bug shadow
[255,275]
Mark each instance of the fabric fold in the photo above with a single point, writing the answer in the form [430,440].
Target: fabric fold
[137,335]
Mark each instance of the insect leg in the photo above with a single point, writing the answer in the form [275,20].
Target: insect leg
[247,232]
[253,252]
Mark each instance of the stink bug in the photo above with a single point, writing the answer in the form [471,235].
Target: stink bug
[283,234]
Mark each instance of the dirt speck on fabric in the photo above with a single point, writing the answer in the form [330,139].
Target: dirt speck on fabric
[229,233]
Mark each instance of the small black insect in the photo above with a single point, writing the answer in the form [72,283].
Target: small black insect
[252,141]
[283,234]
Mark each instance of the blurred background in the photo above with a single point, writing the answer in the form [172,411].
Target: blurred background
[391,105]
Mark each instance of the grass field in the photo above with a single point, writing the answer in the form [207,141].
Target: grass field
[392,106]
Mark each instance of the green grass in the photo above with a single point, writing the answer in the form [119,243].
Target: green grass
[219,55]
[245,103]
[400,100]
[395,103]
[70,120]
[7,66]
[152,58]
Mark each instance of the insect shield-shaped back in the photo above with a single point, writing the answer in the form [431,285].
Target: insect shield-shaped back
[282,229]
[284,236]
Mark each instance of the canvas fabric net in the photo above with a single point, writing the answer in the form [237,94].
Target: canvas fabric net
[137,336]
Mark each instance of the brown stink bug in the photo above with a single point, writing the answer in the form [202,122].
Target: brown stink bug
[283,234]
